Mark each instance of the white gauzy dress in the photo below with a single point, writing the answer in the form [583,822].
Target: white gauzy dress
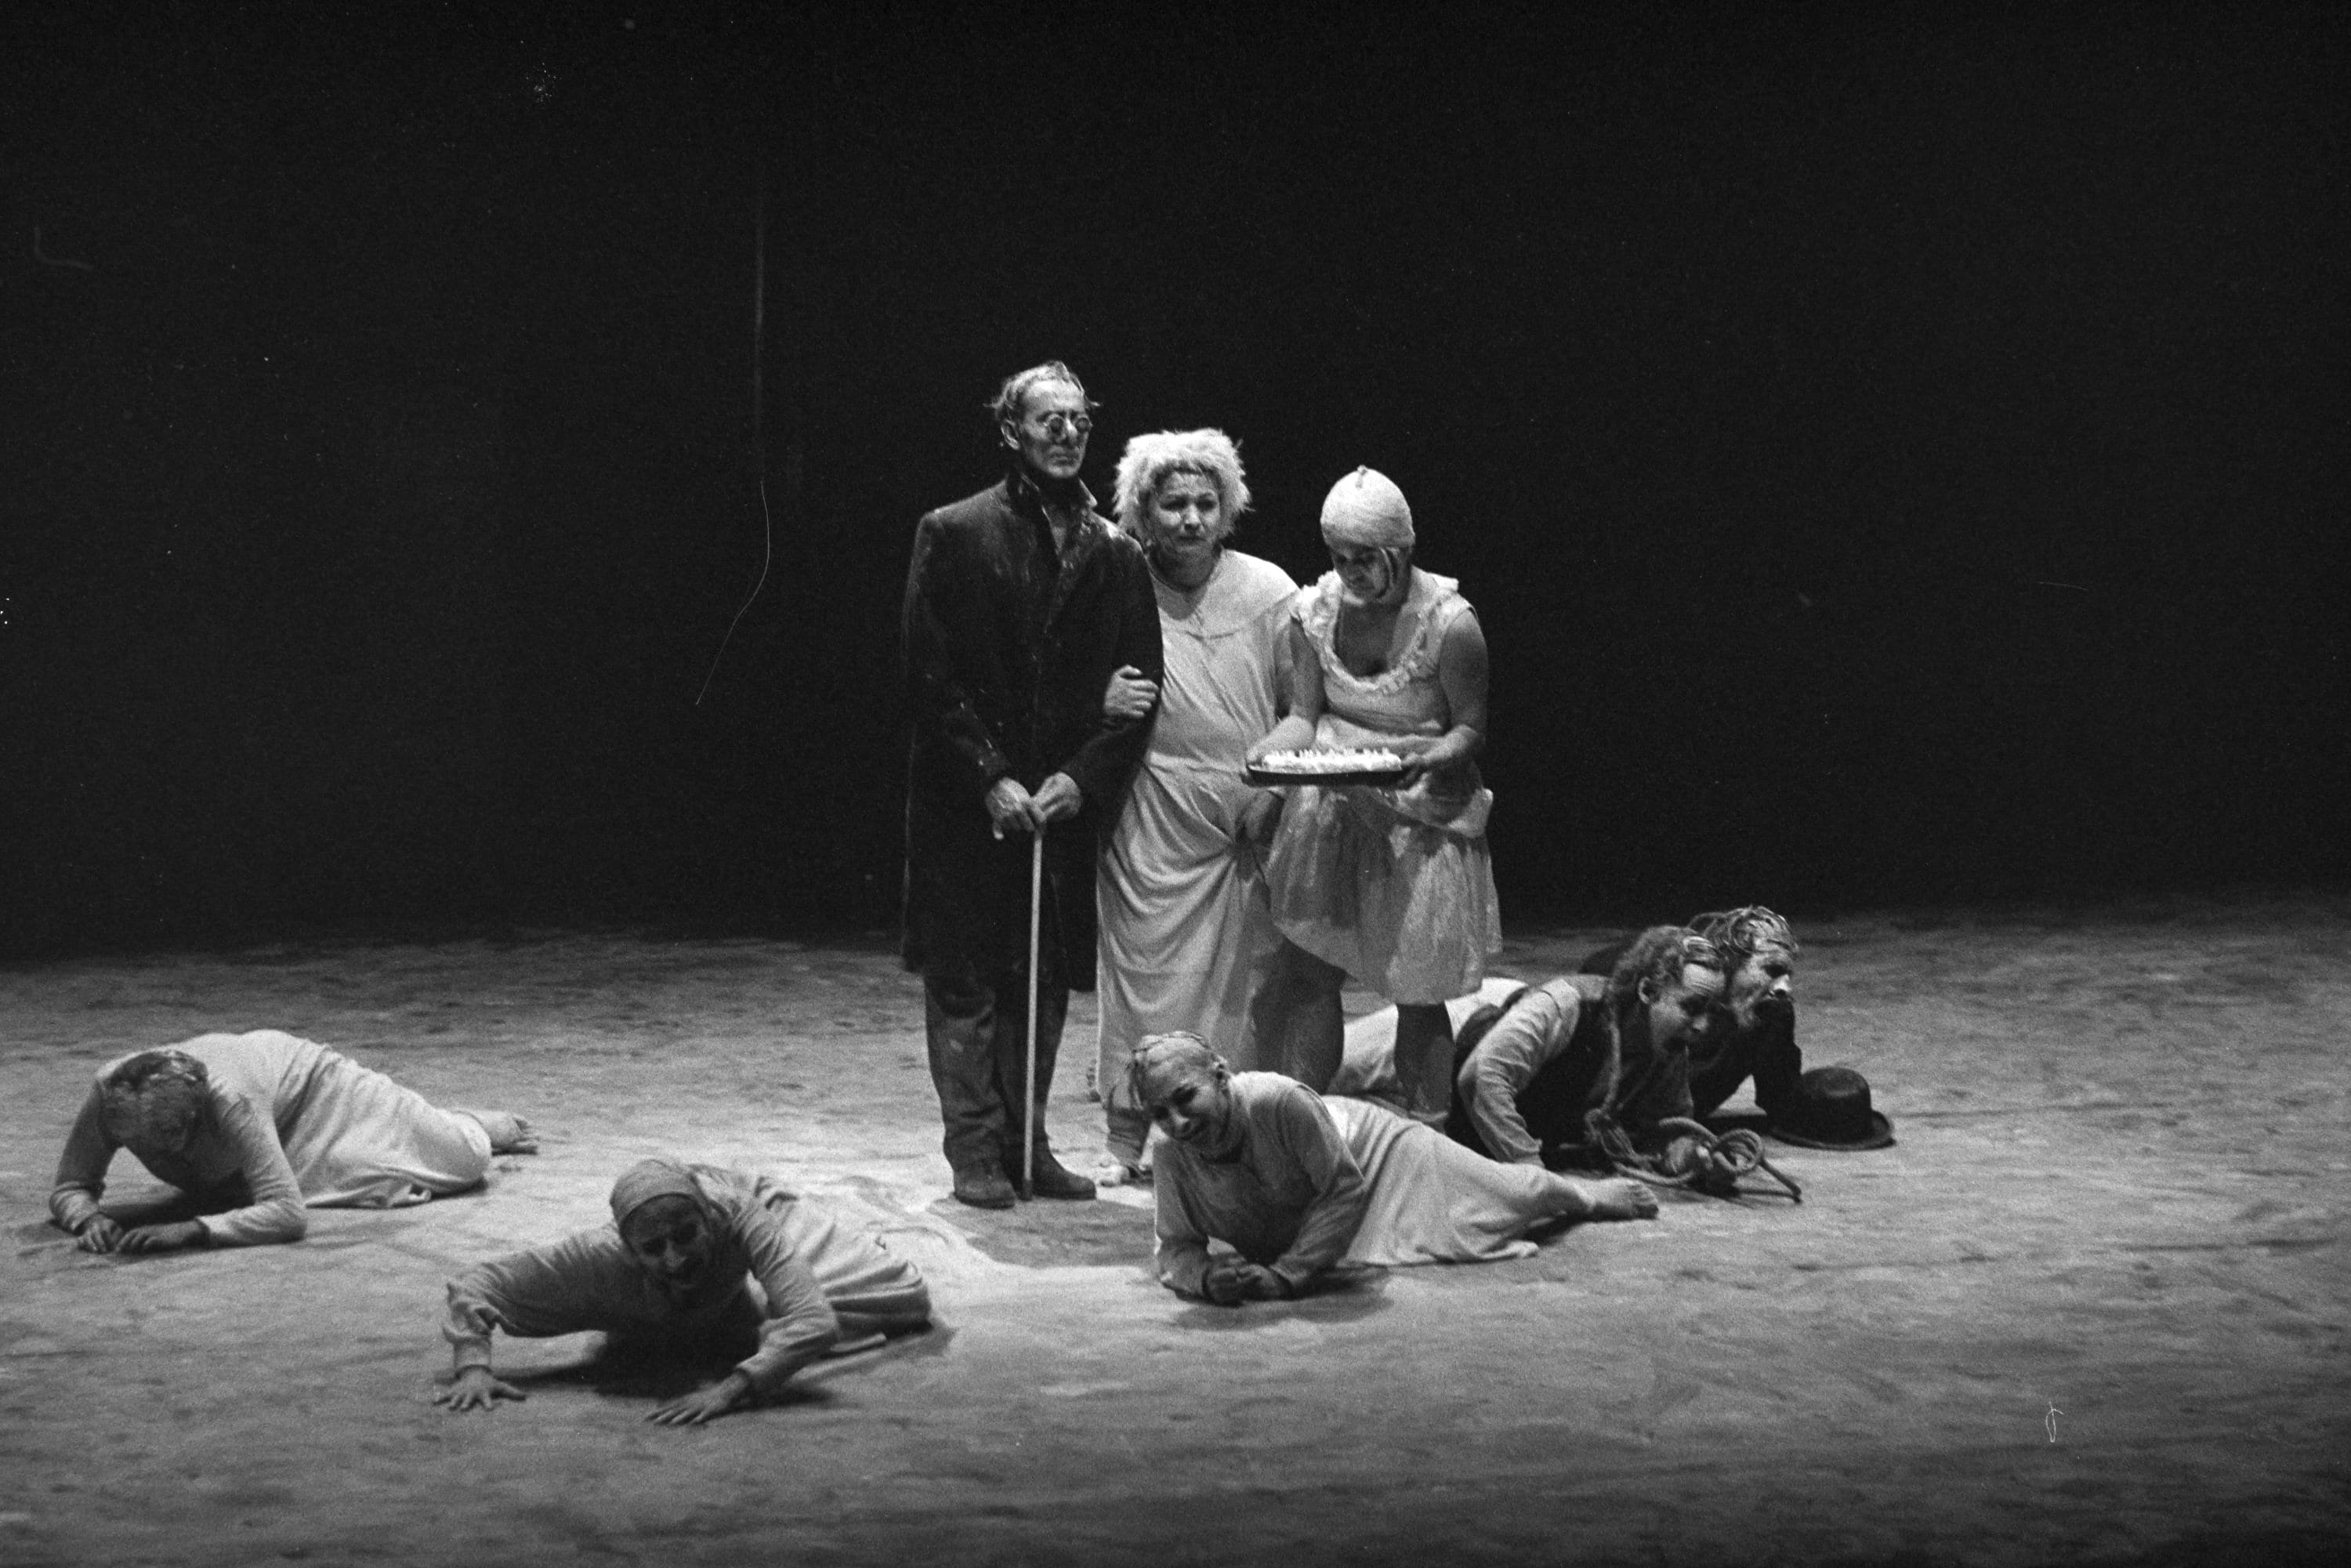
[1394,886]
[1187,931]
[286,1125]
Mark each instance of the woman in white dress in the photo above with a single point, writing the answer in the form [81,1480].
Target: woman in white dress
[258,1127]
[1296,1184]
[1392,886]
[1186,932]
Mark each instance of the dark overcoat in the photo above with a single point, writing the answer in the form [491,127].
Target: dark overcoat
[1009,644]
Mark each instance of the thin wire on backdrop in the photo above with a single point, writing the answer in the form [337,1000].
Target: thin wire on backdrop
[759,426]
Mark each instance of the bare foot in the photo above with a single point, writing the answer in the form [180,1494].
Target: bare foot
[1618,1197]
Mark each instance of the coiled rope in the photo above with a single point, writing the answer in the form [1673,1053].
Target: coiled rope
[1720,1159]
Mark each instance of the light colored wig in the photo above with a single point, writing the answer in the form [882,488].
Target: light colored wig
[1150,459]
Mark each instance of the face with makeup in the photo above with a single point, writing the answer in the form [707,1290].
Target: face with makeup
[1185,523]
[1367,572]
[1191,1103]
[671,1238]
[1677,1010]
[1763,986]
[1051,433]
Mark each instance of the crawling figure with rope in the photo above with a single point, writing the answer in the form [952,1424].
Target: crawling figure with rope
[1594,1072]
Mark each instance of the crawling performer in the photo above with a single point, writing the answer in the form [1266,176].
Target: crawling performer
[260,1126]
[1535,1063]
[676,1268]
[1295,1183]
[1754,1035]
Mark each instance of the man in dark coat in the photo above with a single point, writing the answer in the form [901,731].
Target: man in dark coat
[1020,603]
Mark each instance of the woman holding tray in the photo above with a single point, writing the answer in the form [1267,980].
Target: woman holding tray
[1391,884]
[1187,931]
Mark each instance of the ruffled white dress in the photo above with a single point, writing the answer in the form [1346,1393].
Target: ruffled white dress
[1394,886]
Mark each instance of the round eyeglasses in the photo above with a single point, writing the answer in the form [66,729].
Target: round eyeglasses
[1061,426]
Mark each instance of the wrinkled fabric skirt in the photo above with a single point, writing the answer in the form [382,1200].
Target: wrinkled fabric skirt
[1188,935]
[869,1289]
[1404,907]
[357,1140]
[1433,1201]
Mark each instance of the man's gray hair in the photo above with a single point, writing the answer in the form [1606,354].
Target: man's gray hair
[1012,398]
[1150,459]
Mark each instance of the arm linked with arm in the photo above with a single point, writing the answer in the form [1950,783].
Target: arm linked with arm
[1113,749]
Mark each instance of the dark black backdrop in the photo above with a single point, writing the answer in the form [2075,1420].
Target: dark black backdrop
[1897,453]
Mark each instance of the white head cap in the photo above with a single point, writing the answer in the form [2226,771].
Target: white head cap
[1365,508]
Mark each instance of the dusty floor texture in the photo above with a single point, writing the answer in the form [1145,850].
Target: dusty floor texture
[2119,1192]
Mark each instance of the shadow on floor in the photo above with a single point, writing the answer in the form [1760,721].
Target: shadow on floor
[1049,1234]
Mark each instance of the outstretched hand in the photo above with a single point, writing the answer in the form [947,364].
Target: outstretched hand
[476,1389]
[704,1404]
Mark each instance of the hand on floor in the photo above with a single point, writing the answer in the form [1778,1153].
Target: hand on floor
[163,1238]
[704,1404]
[1230,1282]
[101,1235]
[476,1389]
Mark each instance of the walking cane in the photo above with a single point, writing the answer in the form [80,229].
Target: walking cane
[1029,1081]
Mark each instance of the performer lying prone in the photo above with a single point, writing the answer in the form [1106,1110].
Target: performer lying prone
[260,1126]
[676,1269]
[1295,1183]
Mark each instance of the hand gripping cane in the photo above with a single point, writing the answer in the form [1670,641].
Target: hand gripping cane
[1029,1079]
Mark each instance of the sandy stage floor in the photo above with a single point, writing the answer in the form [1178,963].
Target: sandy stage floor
[2118,1194]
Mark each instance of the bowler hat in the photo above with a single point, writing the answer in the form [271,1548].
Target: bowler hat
[1831,1111]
